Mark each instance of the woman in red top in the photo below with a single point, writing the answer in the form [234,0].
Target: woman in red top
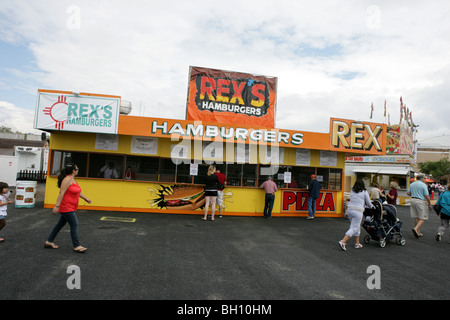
[391,196]
[67,205]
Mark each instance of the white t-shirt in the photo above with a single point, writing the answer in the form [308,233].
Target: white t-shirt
[110,173]
[359,200]
[3,199]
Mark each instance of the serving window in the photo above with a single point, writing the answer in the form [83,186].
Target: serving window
[158,169]
[144,168]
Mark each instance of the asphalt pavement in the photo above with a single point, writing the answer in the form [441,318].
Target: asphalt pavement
[140,256]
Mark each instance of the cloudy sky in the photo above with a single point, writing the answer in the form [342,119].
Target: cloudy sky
[331,58]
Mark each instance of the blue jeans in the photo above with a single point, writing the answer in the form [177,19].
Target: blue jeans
[66,217]
[268,205]
[311,206]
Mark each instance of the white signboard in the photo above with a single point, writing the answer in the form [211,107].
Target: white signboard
[144,145]
[328,158]
[302,157]
[81,113]
[193,169]
[106,142]
[287,177]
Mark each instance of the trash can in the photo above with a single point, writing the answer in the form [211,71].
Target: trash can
[25,194]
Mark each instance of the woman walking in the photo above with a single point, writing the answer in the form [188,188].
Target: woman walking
[67,205]
[211,182]
[391,196]
[444,201]
[359,198]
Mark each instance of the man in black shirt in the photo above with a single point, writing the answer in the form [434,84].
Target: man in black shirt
[314,190]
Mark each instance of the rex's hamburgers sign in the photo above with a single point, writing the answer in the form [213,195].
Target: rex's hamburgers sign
[231,97]
[84,112]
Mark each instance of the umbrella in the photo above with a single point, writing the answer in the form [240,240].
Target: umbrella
[426,180]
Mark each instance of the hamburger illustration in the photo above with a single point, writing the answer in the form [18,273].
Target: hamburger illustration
[184,197]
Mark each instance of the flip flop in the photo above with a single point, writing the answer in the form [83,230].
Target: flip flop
[50,246]
[80,250]
[415,233]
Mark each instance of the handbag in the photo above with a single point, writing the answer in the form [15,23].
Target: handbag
[437,208]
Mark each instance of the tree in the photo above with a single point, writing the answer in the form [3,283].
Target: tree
[435,168]
[5,129]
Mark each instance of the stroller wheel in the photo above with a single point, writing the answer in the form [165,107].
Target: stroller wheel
[382,243]
[401,241]
[366,239]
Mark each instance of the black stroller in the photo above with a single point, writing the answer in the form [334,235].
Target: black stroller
[382,224]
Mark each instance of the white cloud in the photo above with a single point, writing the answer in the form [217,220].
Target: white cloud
[16,118]
[333,57]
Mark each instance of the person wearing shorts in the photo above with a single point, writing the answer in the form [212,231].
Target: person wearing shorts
[211,182]
[220,187]
[420,204]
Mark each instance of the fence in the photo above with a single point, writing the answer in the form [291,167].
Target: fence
[32,175]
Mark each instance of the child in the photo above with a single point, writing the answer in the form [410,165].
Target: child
[4,201]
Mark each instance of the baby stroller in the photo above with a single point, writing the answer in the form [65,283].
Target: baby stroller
[382,224]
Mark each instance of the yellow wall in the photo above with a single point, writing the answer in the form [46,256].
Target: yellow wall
[139,196]
[120,195]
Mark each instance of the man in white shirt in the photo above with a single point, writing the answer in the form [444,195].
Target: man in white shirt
[109,172]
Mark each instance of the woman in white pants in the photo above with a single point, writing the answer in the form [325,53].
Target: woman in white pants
[359,199]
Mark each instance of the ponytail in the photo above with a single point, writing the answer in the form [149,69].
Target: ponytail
[66,171]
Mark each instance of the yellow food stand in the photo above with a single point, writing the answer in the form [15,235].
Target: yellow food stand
[160,163]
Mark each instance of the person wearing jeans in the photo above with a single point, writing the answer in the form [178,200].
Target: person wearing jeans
[66,217]
[444,201]
[67,205]
[314,191]
[270,188]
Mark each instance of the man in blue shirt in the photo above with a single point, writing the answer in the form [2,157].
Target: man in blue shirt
[314,190]
[419,199]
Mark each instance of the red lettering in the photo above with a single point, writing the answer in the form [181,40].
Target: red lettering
[207,86]
[302,201]
[328,203]
[319,207]
[223,90]
[238,88]
[298,201]
[288,199]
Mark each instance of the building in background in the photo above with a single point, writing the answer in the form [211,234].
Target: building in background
[433,149]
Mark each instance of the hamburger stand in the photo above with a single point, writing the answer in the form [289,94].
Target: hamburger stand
[230,121]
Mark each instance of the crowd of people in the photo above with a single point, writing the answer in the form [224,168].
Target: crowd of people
[215,181]
[437,188]
[420,207]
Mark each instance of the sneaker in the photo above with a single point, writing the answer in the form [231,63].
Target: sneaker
[342,245]
[438,237]
[310,218]
[358,246]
